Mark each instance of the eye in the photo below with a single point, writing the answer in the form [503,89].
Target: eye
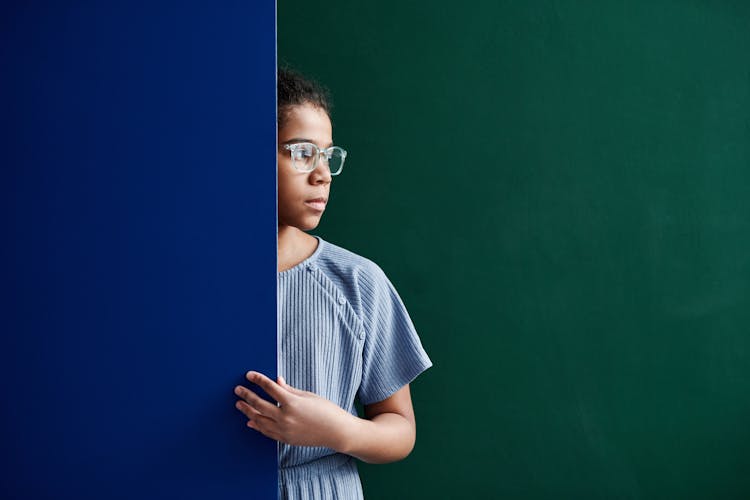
[301,151]
[305,150]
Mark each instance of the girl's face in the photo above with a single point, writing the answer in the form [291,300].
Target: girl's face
[303,195]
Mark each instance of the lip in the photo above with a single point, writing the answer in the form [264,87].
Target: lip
[318,204]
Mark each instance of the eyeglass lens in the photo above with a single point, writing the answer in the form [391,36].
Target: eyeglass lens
[306,156]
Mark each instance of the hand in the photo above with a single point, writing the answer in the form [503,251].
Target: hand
[301,418]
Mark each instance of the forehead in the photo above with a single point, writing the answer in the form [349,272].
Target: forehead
[307,122]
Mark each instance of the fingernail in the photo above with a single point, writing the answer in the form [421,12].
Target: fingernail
[238,390]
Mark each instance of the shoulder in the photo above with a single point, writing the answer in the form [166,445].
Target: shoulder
[358,277]
[342,264]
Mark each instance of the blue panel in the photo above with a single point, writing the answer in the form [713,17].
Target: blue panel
[138,271]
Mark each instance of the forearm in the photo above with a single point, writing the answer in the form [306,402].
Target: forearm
[387,437]
[303,418]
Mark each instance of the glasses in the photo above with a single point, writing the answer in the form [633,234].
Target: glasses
[305,157]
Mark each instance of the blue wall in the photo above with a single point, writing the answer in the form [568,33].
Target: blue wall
[138,253]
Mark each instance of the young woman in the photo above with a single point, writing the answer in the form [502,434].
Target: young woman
[344,331]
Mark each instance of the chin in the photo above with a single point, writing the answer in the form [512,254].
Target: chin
[303,222]
[309,224]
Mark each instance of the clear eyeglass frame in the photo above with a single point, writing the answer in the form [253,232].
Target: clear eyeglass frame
[306,157]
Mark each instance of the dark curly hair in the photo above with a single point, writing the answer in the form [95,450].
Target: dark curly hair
[294,89]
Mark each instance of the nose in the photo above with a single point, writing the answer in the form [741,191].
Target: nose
[321,174]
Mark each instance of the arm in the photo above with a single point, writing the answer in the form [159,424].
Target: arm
[388,433]
[302,418]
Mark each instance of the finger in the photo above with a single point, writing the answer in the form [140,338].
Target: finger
[272,388]
[288,387]
[283,384]
[258,403]
[269,435]
[246,409]
[265,426]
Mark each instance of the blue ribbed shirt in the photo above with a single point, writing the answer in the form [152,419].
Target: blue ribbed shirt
[344,334]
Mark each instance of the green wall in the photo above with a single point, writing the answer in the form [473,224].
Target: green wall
[559,191]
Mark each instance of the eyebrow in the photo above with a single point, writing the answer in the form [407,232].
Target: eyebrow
[300,139]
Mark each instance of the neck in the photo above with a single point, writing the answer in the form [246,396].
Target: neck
[294,246]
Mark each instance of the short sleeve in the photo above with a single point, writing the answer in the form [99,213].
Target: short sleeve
[393,355]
